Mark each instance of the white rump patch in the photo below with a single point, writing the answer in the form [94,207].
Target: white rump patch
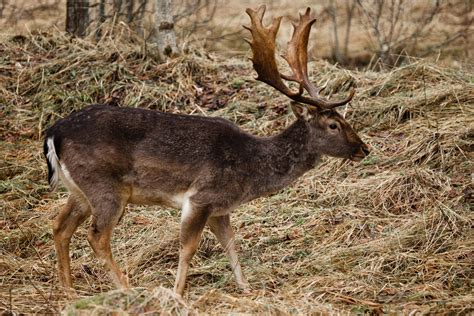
[53,161]
[59,170]
[68,181]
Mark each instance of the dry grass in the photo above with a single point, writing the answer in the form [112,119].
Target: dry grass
[223,33]
[392,234]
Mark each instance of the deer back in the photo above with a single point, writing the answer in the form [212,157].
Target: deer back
[154,157]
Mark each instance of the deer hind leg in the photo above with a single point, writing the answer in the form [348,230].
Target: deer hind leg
[193,220]
[220,226]
[65,224]
[106,212]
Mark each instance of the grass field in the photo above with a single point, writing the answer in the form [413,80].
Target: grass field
[392,234]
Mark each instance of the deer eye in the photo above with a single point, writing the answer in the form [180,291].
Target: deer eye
[333,126]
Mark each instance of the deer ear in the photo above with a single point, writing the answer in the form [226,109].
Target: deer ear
[301,111]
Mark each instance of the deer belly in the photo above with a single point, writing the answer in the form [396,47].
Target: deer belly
[158,197]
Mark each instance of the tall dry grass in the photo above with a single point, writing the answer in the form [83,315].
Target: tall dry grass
[392,234]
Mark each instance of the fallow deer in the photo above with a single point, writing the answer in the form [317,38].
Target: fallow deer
[110,156]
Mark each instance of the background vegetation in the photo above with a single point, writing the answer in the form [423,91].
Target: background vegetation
[391,234]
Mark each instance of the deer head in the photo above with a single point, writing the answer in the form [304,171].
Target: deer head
[331,134]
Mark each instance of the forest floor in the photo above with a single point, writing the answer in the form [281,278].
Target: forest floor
[392,234]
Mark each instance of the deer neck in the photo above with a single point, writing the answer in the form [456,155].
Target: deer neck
[289,155]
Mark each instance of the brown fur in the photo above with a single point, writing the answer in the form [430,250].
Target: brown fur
[208,166]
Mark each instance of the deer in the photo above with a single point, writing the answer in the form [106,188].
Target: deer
[108,156]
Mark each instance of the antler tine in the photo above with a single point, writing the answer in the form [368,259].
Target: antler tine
[264,62]
[296,54]
[297,58]
[263,48]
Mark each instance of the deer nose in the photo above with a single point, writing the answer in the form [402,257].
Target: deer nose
[365,149]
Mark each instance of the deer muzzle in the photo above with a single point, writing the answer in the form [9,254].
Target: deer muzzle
[361,153]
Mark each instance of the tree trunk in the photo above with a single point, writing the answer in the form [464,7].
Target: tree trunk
[165,35]
[130,8]
[98,32]
[77,17]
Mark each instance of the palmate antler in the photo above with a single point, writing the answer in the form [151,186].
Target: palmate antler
[264,62]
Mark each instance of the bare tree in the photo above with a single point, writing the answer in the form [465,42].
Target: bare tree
[101,17]
[77,17]
[386,23]
[165,34]
[197,13]
[340,54]
[130,6]
[3,5]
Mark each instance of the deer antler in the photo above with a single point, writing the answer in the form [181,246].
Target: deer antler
[264,62]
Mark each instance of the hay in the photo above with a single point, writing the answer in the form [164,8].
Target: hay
[134,301]
[392,234]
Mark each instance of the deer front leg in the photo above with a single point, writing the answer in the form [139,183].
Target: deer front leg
[221,227]
[193,220]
